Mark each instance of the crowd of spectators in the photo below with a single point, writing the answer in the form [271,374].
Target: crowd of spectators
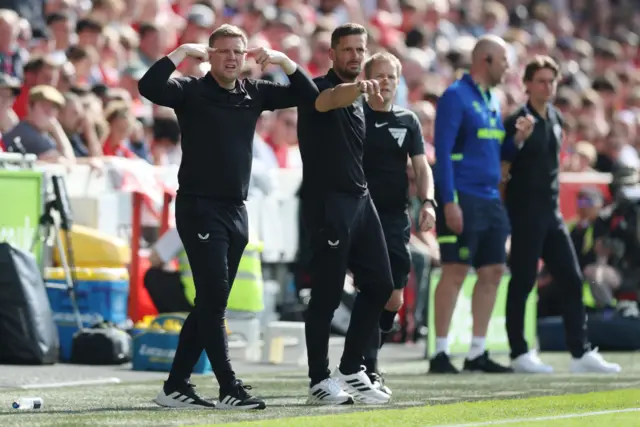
[69,69]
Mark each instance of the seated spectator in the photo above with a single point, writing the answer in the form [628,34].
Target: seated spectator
[40,70]
[80,127]
[12,57]
[9,90]
[40,133]
[283,138]
[582,159]
[120,122]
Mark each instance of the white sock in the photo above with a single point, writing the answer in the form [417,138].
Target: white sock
[477,347]
[442,345]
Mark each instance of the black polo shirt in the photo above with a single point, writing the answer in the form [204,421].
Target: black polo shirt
[331,145]
[535,167]
[392,137]
[218,125]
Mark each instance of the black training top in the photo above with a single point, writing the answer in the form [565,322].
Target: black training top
[535,167]
[331,145]
[218,125]
[392,136]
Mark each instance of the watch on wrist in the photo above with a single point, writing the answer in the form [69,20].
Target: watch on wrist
[433,202]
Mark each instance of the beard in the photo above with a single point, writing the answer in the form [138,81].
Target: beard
[347,73]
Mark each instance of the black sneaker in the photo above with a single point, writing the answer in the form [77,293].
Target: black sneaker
[378,382]
[182,396]
[482,363]
[238,398]
[441,364]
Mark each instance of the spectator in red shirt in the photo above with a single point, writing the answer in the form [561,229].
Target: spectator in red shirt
[118,116]
[40,70]
[9,89]
[283,138]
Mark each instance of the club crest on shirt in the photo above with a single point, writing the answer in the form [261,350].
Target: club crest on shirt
[399,134]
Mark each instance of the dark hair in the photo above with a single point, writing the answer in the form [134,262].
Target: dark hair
[344,31]
[147,28]
[540,62]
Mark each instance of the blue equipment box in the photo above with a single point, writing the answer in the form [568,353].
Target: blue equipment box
[101,294]
[154,347]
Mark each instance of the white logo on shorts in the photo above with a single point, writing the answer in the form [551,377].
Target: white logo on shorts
[203,237]
[333,244]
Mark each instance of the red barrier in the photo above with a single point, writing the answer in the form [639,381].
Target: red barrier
[140,303]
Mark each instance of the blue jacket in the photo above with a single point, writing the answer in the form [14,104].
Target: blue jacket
[468,135]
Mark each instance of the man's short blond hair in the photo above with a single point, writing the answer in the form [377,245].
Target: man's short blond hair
[382,57]
[227,31]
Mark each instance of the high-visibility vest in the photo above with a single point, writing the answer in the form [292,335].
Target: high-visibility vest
[587,243]
[246,293]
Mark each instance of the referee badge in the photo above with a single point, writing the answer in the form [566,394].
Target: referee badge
[557,131]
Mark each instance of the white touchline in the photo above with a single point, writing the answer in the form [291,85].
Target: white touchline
[99,381]
[548,418]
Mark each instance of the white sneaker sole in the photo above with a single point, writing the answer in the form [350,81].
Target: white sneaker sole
[346,400]
[169,402]
[599,370]
[226,407]
[521,370]
[371,397]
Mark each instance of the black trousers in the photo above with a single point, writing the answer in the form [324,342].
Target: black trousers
[214,234]
[345,233]
[540,232]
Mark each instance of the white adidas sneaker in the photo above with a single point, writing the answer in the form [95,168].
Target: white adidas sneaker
[181,397]
[360,387]
[592,362]
[328,392]
[530,363]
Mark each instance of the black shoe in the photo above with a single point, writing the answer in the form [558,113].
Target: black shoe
[238,398]
[378,382]
[441,364]
[182,396]
[482,363]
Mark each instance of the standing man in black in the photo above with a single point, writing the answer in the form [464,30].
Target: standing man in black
[342,223]
[532,147]
[394,136]
[217,116]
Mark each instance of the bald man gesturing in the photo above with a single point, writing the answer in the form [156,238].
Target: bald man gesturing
[472,224]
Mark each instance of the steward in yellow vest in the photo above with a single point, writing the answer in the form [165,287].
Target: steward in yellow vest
[246,291]
[174,291]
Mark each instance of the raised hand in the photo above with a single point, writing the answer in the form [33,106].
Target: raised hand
[196,51]
[372,89]
[524,128]
[265,57]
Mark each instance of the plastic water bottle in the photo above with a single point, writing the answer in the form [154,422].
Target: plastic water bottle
[26,403]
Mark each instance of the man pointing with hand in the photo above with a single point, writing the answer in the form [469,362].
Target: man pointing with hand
[217,115]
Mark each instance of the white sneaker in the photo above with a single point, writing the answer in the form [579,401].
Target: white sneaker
[360,387]
[592,362]
[378,383]
[328,392]
[530,363]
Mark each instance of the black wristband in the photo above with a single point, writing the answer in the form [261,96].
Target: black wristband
[433,202]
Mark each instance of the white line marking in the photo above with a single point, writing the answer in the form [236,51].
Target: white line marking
[100,381]
[549,418]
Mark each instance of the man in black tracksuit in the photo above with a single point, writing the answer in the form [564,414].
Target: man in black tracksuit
[532,146]
[342,223]
[394,135]
[217,116]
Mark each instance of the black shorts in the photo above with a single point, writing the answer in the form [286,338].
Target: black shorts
[485,228]
[397,232]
